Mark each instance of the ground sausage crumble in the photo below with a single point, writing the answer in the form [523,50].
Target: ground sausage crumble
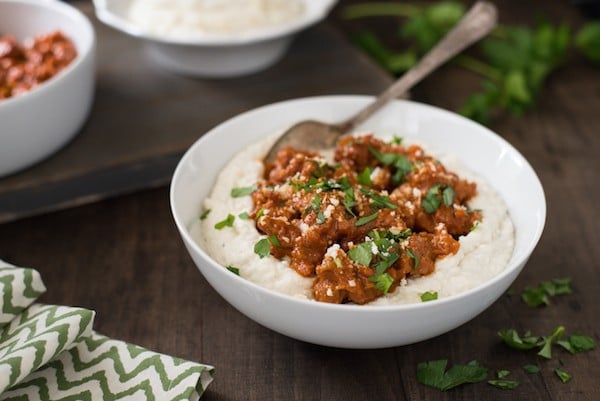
[382,213]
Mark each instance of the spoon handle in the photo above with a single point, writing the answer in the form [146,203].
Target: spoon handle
[476,24]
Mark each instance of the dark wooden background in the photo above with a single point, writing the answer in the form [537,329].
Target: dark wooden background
[123,258]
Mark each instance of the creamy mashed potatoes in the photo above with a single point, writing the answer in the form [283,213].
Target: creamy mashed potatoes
[189,18]
[483,253]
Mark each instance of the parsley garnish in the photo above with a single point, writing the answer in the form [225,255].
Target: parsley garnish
[234,270]
[504,384]
[361,253]
[501,374]
[513,340]
[364,178]
[434,374]
[228,222]
[349,200]
[400,162]
[529,368]
[432,200]
[448,195]
[562,375]
[577,343]
[320,217]
[396,140]
[383,282]
[243,191]
[244,216]
[539,295]
[429,296]
[366,219]
[379,201]
[260,213]
[205,214]
[414,257]
[263,247]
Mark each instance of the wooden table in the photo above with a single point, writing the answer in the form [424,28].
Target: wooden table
[123,258]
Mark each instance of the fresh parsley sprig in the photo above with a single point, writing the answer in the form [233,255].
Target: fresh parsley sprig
[514,62]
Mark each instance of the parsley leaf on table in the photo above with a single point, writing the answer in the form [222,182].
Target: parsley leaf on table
[577,343]
[434,374]
[514,61]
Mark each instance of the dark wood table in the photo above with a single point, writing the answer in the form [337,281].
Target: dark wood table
[123,258]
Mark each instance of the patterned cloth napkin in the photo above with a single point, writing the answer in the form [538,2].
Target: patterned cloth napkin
[50,352]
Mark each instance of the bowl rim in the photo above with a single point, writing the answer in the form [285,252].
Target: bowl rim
[509,269]
[82,54]
[106,15]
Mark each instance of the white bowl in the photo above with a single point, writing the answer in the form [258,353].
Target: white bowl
[214,55]
[37,123]
[354,326]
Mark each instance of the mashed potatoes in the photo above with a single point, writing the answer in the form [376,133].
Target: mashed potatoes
[189,18]
[483,253]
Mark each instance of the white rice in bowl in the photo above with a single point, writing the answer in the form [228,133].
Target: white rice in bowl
[190,18]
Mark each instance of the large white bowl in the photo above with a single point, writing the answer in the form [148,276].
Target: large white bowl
[214,55]
[354,326]
[37,123]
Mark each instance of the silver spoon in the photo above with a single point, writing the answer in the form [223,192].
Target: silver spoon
[316,135]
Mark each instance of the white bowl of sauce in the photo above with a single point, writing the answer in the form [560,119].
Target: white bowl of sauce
[38,122]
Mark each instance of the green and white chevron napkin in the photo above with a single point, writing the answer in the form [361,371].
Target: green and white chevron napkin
[18,289]
[51,353]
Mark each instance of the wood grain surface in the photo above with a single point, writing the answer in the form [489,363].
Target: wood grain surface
[123,258]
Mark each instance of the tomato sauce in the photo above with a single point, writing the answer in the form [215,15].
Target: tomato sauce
[23,67]
[380,214]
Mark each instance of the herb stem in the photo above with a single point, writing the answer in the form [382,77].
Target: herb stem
[479,67]
[379,9]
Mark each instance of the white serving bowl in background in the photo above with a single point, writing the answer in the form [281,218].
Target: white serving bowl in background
[35,124]
[215,55]
[354,326]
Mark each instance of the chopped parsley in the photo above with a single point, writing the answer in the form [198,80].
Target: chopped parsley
[320,217]
[448,195]
[577,343]
[243,191]
[383,282]
[530,368]
[234,270]
[501,374]
[379,201]
[540,295]
[562,375]
[429,296]
[527,341]
[364,178]
[513,340]
[228,222]
[504,384]
[244,216]
[361,254]
[414,257]
[263,247]
[366,219]
[349,200]
[205,214]
[400,162]
[432,199]
[396,140]
[434,374]
[260,213]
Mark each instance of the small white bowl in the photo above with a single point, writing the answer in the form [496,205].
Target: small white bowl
[215,55]
[35,124]
[354,326]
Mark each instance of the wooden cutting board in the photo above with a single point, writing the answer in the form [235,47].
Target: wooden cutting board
[144,118]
